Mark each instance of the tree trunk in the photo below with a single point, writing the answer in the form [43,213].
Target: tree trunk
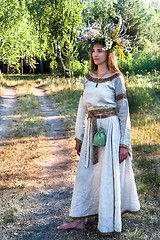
[21,59]
[59,56]
[41,66]
[7,69]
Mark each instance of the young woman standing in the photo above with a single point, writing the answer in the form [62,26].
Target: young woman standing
[105,185]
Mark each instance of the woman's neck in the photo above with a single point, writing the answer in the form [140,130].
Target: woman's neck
[102,69]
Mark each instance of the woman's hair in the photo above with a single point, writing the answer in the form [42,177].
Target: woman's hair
[111,62]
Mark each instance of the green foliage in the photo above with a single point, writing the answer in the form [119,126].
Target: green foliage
[80,69]
[140,63]
[133,12]
[97,8]
[32,29]
[18,35]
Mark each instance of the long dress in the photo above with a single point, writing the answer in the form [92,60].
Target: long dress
[107,188]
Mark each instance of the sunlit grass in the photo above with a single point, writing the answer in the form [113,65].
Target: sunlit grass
[20,162]
[26,145]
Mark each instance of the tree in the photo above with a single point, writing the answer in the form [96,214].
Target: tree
[133,12]
[58,20]
[18,35]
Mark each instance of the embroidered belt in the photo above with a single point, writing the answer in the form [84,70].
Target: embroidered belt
[97,114]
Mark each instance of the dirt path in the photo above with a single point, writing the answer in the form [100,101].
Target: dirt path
[58,172]
[54,198]
[6,109]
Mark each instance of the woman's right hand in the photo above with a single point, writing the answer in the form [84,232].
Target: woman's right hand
[78,147]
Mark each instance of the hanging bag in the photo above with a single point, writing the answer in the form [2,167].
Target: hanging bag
[99,139]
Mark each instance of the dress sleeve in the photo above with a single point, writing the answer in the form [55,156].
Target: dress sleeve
[123,112]
[80,120]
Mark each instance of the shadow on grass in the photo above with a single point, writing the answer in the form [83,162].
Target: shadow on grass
[143,99]
[148,164]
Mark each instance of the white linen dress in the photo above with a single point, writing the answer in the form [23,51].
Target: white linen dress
[107,188]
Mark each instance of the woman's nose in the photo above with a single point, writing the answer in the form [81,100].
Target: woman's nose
[95,53]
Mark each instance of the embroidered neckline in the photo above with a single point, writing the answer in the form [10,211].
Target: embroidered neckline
[102,79]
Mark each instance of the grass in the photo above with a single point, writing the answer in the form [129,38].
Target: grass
[26,145]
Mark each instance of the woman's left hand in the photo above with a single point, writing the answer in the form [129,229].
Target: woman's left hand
[123,153]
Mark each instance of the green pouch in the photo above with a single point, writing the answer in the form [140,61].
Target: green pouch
[100,137]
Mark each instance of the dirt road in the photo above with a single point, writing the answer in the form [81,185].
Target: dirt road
[53,199]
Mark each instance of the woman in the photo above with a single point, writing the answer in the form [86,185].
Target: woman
[105,184]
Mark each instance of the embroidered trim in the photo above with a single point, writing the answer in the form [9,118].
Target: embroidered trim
[78,140]
[121,96]
[128,211]
[94,115]
[124,146]
[101,80]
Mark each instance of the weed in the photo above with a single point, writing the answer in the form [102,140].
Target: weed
[9,216]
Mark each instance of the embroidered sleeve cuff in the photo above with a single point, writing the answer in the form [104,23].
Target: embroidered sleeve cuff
[129,149]
[124,146]
[78,140]
[121,96]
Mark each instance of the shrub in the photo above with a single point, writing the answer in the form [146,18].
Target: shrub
[139,63]
[79,69]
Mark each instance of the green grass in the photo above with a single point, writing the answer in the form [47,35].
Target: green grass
[144,100]
[9,216]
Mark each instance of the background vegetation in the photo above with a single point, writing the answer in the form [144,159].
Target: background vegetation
[40,36]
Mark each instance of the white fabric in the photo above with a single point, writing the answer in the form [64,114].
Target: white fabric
[106,188]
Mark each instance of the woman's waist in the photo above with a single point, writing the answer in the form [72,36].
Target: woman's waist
[102,112]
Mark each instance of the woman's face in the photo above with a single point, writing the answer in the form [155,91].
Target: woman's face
[99,56]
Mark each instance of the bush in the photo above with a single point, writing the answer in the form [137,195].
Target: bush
[79,69]
[139,63]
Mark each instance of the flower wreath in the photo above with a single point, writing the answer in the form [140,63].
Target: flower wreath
[113,36]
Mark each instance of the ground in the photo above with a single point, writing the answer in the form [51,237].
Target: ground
[34,211]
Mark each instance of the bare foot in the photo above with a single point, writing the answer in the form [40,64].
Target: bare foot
[77,224]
